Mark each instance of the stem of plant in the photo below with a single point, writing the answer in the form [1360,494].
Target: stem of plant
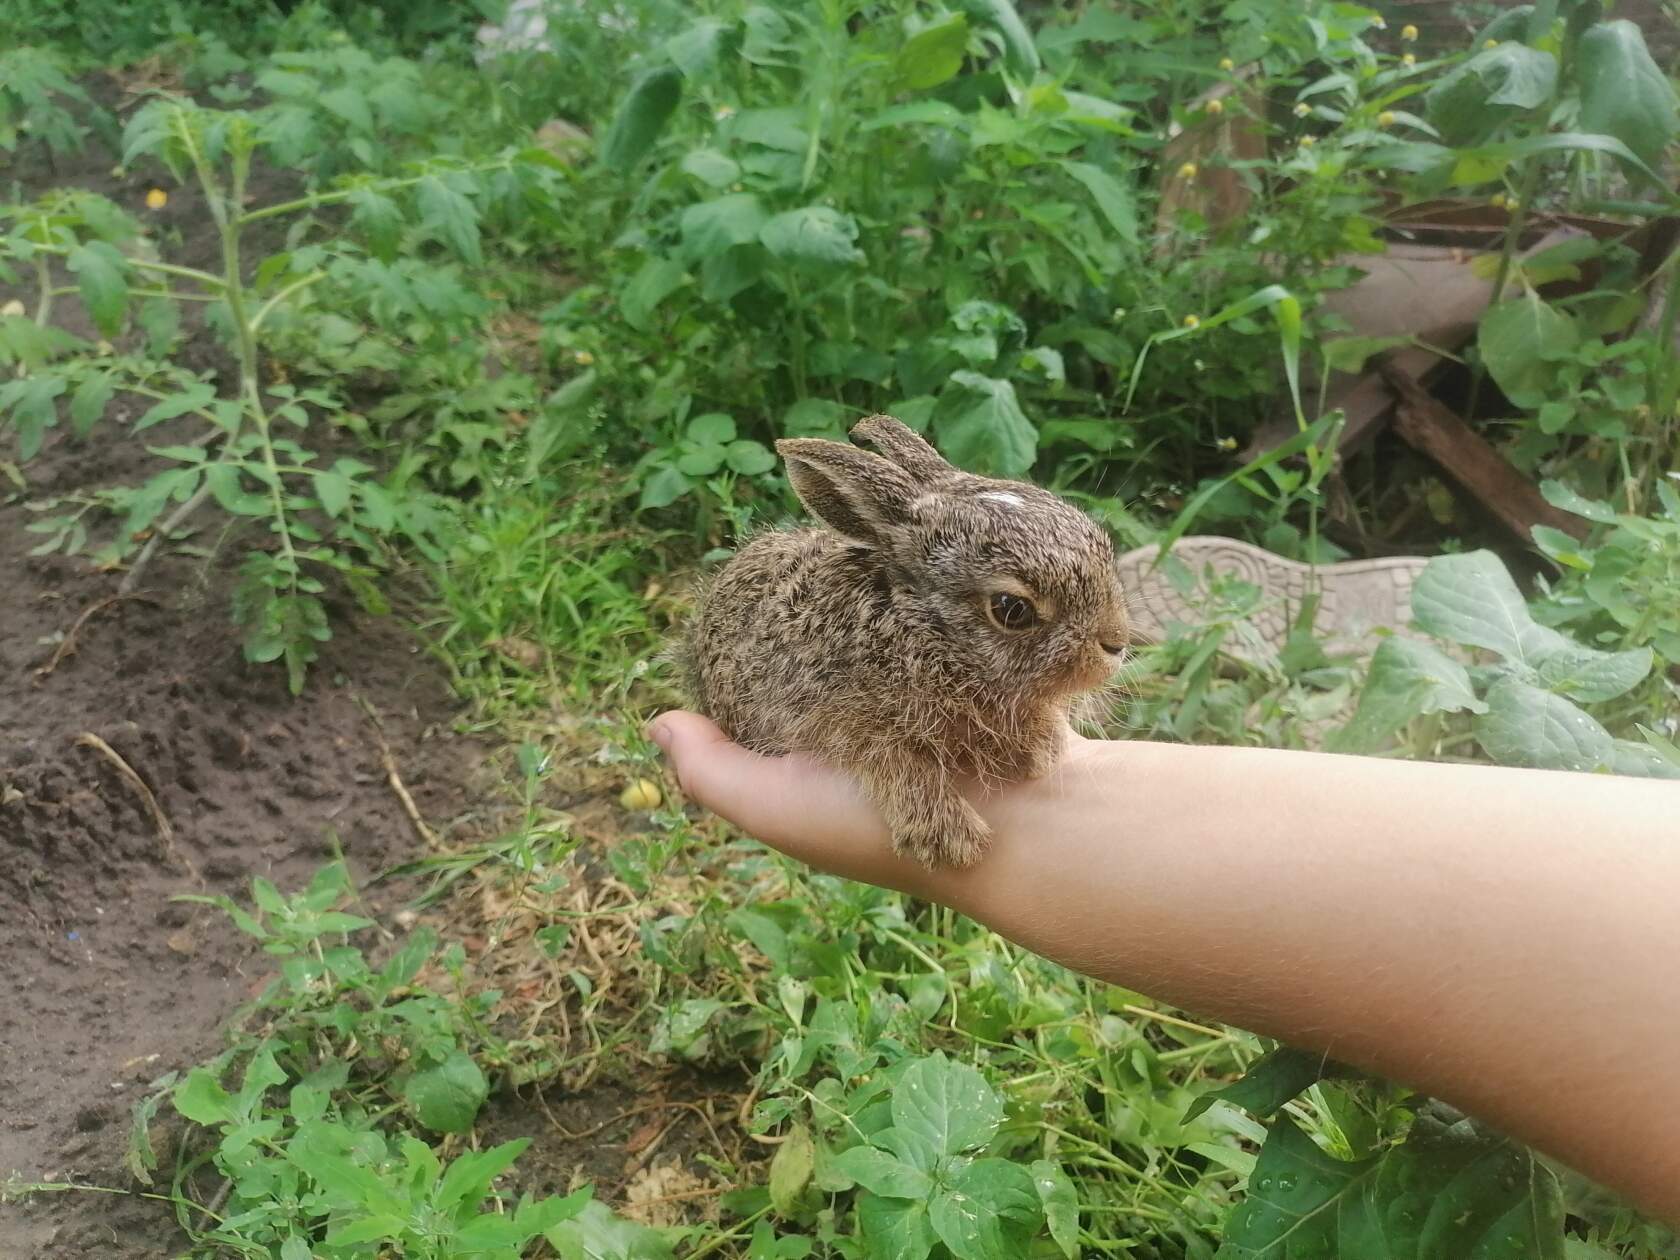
[1507,256]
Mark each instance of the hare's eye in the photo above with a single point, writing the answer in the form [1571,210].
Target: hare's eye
[1011,612]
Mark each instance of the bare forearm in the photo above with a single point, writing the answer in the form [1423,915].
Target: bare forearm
[1496,937]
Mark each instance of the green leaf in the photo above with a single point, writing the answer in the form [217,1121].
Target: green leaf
[749,458]
[193,398]
[931,56]
[883,1174]
[88,403]
[468,1179]
[711,227]
[1592,676]
[937,113]
[200,1098]
[1060,1204]
[944,1108]
[446,1098]
[715,428]
[1020,54]
[1561,496]
[817,236]
[1472,101]
[714,169]
[641,116]
[451,216]
[596,1233]
[657,279]
[895,1229]
[333,489]
[1113,198]
[816,417]
[696,49]
[102,277]
[1447,1193]
[1273,1080]
[1471,599]
[790,1169]
[663,488]
[1641,761]
[987,1210]
[1624,93]
[350,105]
[1522,342]
[1407,680]
[981,427]
[33,409]
[1525,726]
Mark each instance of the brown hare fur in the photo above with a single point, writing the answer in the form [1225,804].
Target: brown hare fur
[938,630]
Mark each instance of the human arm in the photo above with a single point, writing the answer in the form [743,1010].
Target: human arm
[1503,939]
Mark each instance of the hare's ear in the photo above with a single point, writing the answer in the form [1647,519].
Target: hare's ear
[901,444]
[854,492]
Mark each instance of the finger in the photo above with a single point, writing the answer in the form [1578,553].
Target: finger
[805,809]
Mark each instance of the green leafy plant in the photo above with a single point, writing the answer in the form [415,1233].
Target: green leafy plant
[39,100]
[1525,707]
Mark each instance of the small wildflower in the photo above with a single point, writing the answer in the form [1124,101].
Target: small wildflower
[103,347]
[1379,23]
[1227,65]
[157,199]
[1187,171]
[724,113]
[1490,43]
[12,309]
[1386,118]
[1307,142]
[1117,314]
[584,358]
[640,796]
[1227,444]
[1497,201]
[1192,321]
[1512,204]
[1409,33]
[1408,59]
[1302,110]
[1216,107]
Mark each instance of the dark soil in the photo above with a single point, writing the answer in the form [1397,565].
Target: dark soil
[107,983]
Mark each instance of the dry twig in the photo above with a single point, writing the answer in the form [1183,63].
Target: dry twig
[68,646]
[137,785]
[394,777]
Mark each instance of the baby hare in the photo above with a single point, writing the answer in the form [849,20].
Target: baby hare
[939,629]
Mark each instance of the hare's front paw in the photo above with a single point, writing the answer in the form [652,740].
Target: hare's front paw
[944,832]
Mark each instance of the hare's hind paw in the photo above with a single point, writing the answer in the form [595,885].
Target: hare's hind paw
[945,834]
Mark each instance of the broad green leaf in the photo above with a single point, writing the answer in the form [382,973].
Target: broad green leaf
[1273,1080]
[1407,680]
[714,169]
[713,226]
[1471,599]
[883,1174]
[1624,93]
[1592,676]
[367,1229]
[350,105]
[987,1210]
[377,217]
[696,49]
[790,1169]
[663,488]
[937,113]
[932,55]
[816,417]
[1447,1193]
[468,1179]
[1525,726]
[1641,761]
[1472,101]
[715,428]
[333,489]
[895,1229]
[446,1098]
[1113,198]
[1561,496]
[33,409]
[657,279]
[817,236]
[981,427]
[1059,1203]
[192,398]
[596,1233]
[945,1108]
[1020,54]
[1521,342]
[102,277]
[451,216]
[641,116]
[200,1098]
[749,458]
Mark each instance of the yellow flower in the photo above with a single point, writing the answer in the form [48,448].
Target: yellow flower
[1302,110]
[1187,171]
[1226,443]
[1408,32]
[1386,118]
[157,199]
[1497,201]
[1307,142]
[1216,107]
[1379,23]
[1192,321]
[1227,65]
[12,309]
[1490,43]
[641,795]
[584,357]
[1408,59]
